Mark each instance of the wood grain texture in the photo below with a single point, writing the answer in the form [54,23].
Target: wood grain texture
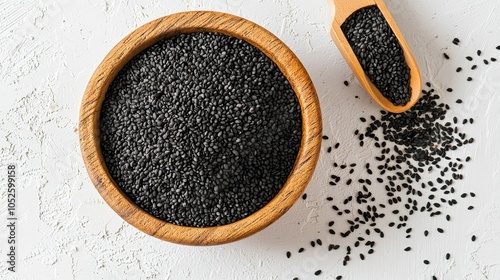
[341,10]
[166,27]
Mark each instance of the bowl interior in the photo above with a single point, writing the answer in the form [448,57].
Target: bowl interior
[166,27]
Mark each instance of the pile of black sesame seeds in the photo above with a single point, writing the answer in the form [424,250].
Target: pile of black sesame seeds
[406,146]
[379,53]
[201,129]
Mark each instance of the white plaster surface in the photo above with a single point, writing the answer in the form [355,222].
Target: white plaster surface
[50,48]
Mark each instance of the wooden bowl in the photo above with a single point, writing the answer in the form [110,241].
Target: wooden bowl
[166,27]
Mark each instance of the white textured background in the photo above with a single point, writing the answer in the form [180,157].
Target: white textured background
[50,48]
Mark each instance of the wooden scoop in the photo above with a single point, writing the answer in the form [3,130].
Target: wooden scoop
[341,10]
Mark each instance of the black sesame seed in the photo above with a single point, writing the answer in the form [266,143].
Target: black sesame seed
[392,75]
[449,89]
[301,250]
[288,254]
[176,136]
[318,272]
[459,101]
[486,61]
[478,52]
[346,83]
[325,137]
[446,56]
[304,196]
[469,79]
[473,67]
[469,58]
[459,69]
[470,207]
[421,139]
[473,238]
[448,256]
[426,262]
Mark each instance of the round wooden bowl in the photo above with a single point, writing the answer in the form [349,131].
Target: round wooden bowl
[166,27]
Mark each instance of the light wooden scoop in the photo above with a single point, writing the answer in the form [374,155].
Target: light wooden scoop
[341,10]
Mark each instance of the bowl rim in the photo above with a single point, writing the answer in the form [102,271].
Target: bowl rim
[187,22]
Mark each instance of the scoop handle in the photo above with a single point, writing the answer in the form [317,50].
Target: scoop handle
[342,9]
